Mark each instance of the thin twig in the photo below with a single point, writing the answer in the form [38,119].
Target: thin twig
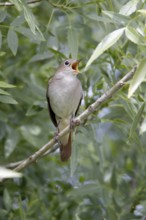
[92,108]
[15,164]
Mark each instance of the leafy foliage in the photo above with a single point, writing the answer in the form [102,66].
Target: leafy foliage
[106,176]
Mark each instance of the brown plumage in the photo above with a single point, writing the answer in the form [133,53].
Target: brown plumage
[64,95]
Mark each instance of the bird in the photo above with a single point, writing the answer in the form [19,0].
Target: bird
[64,95]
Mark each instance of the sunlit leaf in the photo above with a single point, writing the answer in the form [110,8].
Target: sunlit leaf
[116,17]
[12,41]
[6,85]
[138,77]
[134,36]
[142,11]
[129,8]
[6,173]
[105,44]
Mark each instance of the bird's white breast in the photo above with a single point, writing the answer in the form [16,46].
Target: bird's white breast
[64,92]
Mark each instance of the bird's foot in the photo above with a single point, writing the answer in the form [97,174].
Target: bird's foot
[74,123]
[56,138]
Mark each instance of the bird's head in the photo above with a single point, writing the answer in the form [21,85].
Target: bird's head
[70,66]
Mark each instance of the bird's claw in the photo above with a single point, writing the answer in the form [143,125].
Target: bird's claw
[74,123]
[56,138]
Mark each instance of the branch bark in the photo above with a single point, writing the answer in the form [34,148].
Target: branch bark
[80,119]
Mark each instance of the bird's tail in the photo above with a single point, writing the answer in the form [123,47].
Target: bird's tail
[66,141]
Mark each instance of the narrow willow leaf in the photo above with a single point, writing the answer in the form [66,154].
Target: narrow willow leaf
[12,41]
[138,77]
[17,4]
[105,44]
[11,142]
[0,39]
[7,99]
[29,17]
[136,120]
[7,198]
[28,33]
[3,92]
[3,15]
[134,36]
[73,42]
[6,85]
[129,8]
[6,173]
[116,17]
[73,162]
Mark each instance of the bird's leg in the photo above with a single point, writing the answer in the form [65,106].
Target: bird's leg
[56,136]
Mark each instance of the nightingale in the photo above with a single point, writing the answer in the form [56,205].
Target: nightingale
[64,95]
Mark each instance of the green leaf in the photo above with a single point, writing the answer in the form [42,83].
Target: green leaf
[134,36]
[105,44]
[6,196]
[0,39]
[89,189]
[28,33]
[138,77]
[12,41]
[11,142]
[41,56]
[35,108]
[29,17]
[116,17]
[3,15]
[17,4]
[73,42]
[3,92]
[7,100]
[136,120]
[142,11]
[73,162]
[6,85]
[129,8]
[18,21]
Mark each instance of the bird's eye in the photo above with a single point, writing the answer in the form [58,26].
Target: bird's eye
[67,63]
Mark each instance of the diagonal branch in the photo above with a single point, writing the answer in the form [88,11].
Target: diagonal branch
[80,119]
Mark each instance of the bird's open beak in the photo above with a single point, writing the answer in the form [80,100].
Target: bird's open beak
[75,66]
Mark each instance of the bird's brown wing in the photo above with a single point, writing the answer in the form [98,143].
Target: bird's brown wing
[52,114]
[78,105]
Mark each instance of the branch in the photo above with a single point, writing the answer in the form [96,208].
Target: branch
[80,119]
[11,4]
